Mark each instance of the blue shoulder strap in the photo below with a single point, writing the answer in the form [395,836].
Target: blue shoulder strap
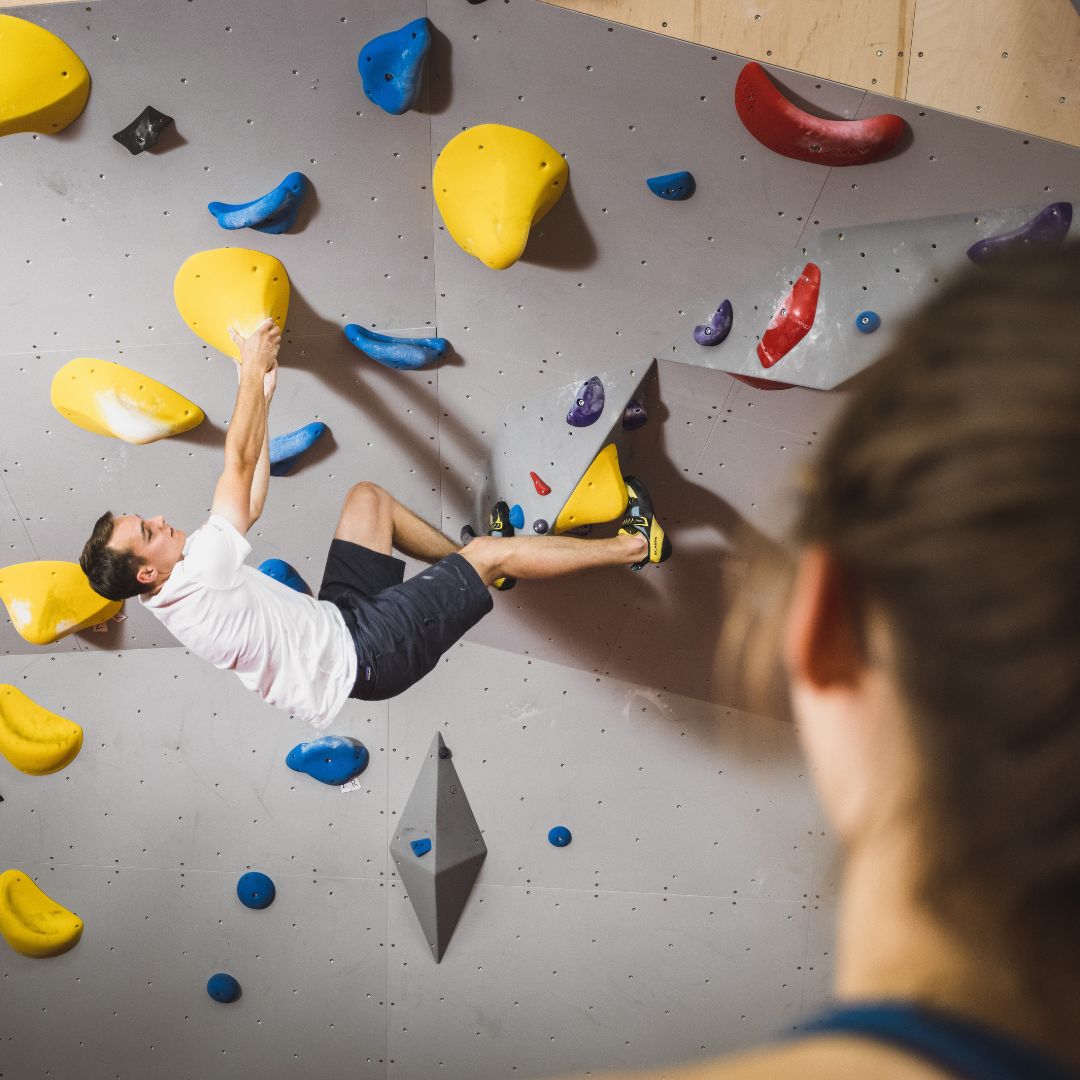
[961,1047]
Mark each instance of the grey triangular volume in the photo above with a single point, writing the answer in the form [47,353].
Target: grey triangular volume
[438,849]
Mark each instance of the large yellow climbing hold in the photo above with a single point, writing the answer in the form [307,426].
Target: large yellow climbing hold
[492,184]
[47,600]
[230,287]
[600,494]
[43,84]
[33,739]
[32,923]
[110,399]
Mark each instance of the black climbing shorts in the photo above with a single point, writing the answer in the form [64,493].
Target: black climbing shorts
[400,628]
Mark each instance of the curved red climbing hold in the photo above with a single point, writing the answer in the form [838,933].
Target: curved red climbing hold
[541,487]
[786,129]
[793,321]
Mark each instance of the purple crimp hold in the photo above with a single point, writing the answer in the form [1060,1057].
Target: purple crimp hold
[589,405]
[717,328]
[634,415]
[1046,229]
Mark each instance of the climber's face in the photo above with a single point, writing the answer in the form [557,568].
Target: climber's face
[157,545]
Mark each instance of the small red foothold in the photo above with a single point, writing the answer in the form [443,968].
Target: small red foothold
[541,487]
[793,319]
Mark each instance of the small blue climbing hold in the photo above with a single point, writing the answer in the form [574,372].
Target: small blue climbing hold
[559,836]
[255,890]
[717,328]
[673,186]
[866,322]
[286,450]
[634,415]
[588,405]
[540,526]
[517,516]
[404,354]
[420,847]
[334,759]
[274,212]
[280,570]
[223,987]
[392,66]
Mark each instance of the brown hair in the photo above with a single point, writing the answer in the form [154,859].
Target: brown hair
[112,573]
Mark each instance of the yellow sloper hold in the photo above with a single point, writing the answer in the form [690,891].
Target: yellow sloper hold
[33,739]
[492,184]
[600,494]
[233,287]
[32,923]
[43,84]
[110,399]
[47,600]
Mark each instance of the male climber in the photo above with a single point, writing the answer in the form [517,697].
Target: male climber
[370,634]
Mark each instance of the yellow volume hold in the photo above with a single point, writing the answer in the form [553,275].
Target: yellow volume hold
[43,84]
[32,923]
[600,494]
[47,600]
[230,287]
[33,739]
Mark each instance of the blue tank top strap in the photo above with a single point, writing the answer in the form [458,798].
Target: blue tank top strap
[963,1048]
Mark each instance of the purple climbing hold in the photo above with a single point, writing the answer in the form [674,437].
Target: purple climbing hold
[589,404]
[1046,229]
[634,415]
[540,526]
[717,328]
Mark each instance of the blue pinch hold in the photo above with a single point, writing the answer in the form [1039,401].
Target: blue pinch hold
[674,186]
[866,322]
[392,66]
[285,450]
[223,987]
[517,516]
[334,759]
[588,405]
[404,354]
[420,847]
[255,890]
[559,836]
[274,212]
[717,328]
[280,570]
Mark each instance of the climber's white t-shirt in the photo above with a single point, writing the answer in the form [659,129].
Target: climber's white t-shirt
[294,651]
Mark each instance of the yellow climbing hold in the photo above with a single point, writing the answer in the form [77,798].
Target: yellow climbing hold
[600,494]
[230,287]
[110,399]
[43,84]
[47,600]
[492,184]
[33,739]
[32,923]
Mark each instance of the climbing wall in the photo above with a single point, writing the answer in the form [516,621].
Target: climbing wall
[690,915]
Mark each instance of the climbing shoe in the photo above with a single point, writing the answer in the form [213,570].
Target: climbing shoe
[641,519]
[499,525]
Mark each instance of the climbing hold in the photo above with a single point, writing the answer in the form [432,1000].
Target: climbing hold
[492,183]
[223,987]
[559,836]
[334,759]
[1047,228]
[32,923]
[674,186]
[717,328]
[786,129]
[634,415]
[540,526]
[392,66]
[255,890]
[230,287]
[110,399]
[280,570]
[144,131]
[793,319]
[444,752]
[420,847]
[33,739]
[517,516]
[405,354]
[47,600]
[286,450]
[274,212]
[541,487]
[43,84]
[600,494]
[589,404]
[866,322]
[763,384]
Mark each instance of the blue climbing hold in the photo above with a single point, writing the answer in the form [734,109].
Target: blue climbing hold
[674,186]
[559,836]
[420,847]
[392,66]
[274,212]
[634,415]
[540,526]
[866,322]
[285,450]
[223,987]
[405,354]
[717,328]
[588,405]
[334,759]
[255,890]
[517,516]
[280,570]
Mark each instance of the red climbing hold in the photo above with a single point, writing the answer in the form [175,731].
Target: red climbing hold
[763,384]
[541,487]
[793,321]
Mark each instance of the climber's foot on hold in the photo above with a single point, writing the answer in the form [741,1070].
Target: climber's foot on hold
[641,519]
[499,525]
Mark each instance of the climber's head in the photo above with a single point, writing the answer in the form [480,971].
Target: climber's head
[129,555]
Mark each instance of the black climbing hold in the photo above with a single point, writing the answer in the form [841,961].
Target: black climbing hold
[444,752]
[144,131]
